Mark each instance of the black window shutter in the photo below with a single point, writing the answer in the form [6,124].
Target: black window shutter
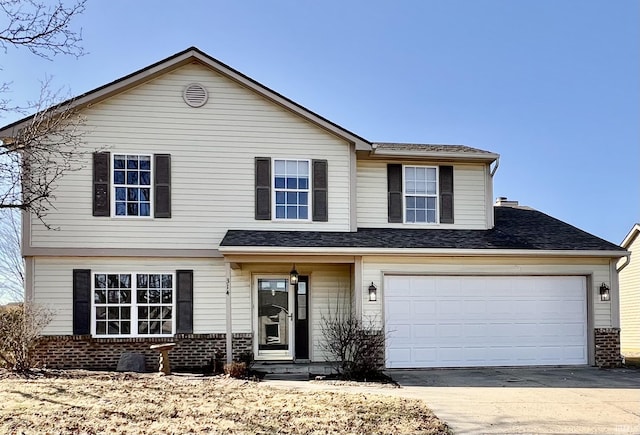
[263,188]
[162,186]
[81,301]
[394,192]
[446,194]
[101,177]
[184,299]
[320,191]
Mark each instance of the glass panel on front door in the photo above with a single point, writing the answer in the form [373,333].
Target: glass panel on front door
[273,317]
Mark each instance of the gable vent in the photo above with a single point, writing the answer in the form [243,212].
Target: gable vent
[195,95]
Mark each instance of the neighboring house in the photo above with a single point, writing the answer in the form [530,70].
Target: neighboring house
[629,269]
[212,188]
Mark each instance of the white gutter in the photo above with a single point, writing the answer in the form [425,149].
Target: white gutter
[435,154]
[287,250]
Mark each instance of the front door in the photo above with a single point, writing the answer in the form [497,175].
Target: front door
[273,318]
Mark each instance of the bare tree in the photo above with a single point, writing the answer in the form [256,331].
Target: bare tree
[38,150]
[43,27]
[39,153]
[11,261]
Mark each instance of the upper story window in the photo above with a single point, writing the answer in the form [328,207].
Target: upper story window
[132,185]
[420,194]
[127,304]
[291,189]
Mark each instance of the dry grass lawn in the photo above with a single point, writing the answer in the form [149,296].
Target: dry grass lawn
[80,402]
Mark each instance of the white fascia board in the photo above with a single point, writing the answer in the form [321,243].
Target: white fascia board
[632,235]
[228,250]
[436,155]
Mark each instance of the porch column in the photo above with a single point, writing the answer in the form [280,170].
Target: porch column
[229,335]
[357,286]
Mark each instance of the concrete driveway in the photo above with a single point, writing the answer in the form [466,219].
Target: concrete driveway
[579,400]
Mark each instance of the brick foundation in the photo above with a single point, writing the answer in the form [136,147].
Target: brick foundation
[192,351]
[607,342]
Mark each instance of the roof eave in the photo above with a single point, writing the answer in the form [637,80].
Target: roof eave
[436,155]
[435,252]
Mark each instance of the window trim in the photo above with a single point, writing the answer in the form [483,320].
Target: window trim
[436,195]
[134,305]
[309,189]
[113,186]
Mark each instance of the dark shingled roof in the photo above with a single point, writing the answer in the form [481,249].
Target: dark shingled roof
[429,147]
[515,228]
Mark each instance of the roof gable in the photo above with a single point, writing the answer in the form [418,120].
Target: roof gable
[185,57]
[631,237]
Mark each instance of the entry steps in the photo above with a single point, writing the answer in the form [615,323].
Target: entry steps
[292,371]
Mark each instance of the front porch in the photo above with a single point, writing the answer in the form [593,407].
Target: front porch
[285,316]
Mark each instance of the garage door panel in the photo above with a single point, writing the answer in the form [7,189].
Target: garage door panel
[397,309]
[425,355]
[449,321]
[423,308]
[397,286]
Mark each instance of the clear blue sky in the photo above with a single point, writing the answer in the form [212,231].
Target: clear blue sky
[550,85]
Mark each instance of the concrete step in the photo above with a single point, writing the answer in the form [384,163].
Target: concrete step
[286,376]
[293,368]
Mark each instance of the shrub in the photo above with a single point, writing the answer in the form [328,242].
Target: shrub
[20,327]
[356,347]
[236,369]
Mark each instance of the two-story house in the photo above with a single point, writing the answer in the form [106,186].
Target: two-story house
[224,217]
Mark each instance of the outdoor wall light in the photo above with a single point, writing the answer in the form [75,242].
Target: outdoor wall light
[293,276]
[373,292]
[604,292]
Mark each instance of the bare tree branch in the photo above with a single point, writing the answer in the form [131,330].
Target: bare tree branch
[39,154]
[41,27]
[11,261]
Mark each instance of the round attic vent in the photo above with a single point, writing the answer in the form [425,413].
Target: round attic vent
[195,95]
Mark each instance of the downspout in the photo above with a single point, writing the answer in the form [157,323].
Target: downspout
[495,168]
[626,262]
[490,218]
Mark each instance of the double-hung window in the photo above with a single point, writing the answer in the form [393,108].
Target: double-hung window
[133,304]
[291,188]
[132,185]
[421,194]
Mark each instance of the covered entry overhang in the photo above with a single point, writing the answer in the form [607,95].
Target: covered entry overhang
[282,298]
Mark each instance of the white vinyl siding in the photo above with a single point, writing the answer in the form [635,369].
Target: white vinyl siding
[469,196]
[212,165]
[630,301]
[53,283]
[596,271]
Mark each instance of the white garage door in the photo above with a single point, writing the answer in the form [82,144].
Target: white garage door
[466,321]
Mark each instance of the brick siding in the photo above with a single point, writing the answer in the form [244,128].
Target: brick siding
[607,341]
[193,352]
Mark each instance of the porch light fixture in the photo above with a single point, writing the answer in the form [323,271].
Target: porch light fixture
[604,292]
[373,292]
[293,276]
